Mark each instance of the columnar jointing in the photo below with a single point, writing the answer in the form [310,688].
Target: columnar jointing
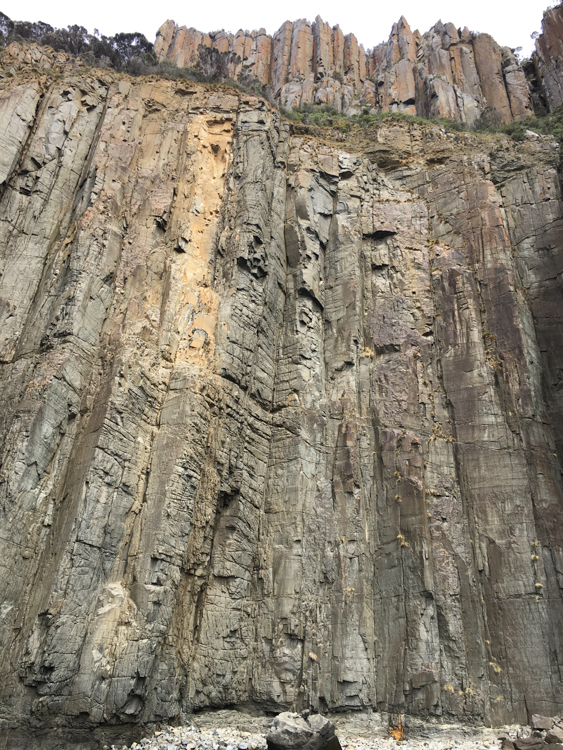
[280,422]
[444,73]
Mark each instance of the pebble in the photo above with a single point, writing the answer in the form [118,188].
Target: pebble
[194,738]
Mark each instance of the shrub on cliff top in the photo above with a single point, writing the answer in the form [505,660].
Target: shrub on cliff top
[550,123]
[122,52]
[130,53]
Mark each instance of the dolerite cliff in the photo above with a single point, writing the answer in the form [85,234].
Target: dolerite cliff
[548,57]
[446,72]
[281,416]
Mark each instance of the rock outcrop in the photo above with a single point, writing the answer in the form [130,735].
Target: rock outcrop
[444,73]
[548,57]
[290,731]
[545,733]
[281,418]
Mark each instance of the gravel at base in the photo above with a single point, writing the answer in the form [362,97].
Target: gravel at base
[225,738]
[192,738]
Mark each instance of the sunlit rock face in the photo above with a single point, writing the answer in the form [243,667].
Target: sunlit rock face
[281,417]
[446,72]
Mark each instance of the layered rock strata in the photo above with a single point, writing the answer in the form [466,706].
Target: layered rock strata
[281,419]
[444,73]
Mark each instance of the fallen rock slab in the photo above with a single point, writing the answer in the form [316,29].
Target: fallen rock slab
[529,743]
[291,731]
[541,722]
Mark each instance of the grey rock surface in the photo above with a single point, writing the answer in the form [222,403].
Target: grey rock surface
[541,723]
[548,57]
[281,418]
[291,731]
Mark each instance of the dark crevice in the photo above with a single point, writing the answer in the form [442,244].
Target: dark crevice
[306,292]
[379,234]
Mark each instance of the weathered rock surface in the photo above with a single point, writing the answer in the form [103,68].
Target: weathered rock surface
[548,57]
[281,420]
[542,723]
[545,733]
[291,731]
[443,73]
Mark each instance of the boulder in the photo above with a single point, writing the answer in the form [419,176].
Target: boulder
[291,731]
[541,722]
[529,743]
[554,736]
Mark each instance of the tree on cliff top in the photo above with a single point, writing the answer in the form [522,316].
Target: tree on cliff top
[123,52]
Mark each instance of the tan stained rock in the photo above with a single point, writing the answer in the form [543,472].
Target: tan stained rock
[351,60]
[323,51]
[338,49]
[442,97]
[163,39]
[406,41]
[488,61]
[301,56]
[439,65]
[405,87]
[261,51]
[471,84]
[281,52]
[517,88]
[300,49]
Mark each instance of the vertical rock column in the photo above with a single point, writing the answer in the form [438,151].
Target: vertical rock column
[548,57]
[507,466]
[116,357]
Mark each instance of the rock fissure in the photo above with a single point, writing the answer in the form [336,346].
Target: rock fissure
[280,417]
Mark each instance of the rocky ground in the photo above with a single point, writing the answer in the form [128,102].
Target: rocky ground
[230,730]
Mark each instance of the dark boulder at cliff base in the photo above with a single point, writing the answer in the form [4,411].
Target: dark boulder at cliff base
[291,731]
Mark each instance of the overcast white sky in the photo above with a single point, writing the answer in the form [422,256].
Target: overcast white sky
[510,22]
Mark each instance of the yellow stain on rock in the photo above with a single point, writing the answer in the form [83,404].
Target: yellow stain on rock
[196,214]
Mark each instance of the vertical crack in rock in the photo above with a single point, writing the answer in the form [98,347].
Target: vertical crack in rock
[280,418]
[445,72]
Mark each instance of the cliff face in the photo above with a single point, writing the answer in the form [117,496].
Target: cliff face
[548,57]
[281,419]
[443,73]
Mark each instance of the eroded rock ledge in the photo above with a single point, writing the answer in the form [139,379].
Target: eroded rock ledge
[281,418]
